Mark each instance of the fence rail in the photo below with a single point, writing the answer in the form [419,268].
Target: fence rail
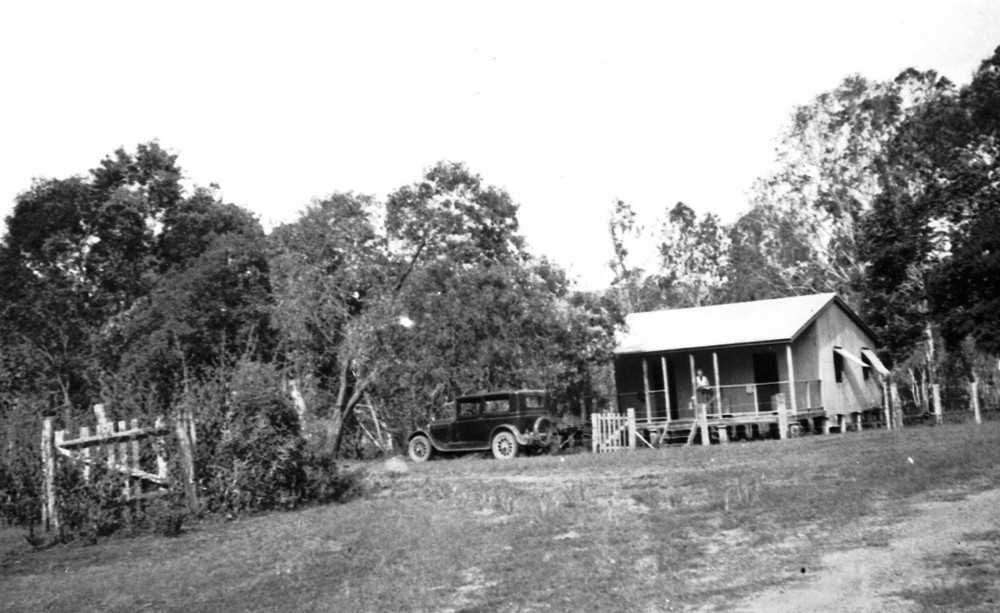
[118,448]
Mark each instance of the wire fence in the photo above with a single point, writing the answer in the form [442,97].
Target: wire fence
[949,404]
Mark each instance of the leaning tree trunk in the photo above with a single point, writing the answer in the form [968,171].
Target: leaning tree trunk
[348,398]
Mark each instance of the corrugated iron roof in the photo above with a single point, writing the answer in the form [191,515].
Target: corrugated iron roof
[743,323]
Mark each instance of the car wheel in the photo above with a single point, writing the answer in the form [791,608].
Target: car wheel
[505,445]
[420,448]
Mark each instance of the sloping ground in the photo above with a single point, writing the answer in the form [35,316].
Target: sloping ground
[717,528]
[909,571]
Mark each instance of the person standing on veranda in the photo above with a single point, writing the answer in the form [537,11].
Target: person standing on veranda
[704,387]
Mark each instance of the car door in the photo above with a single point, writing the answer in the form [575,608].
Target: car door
[441,429]
[467,427]
[497,409]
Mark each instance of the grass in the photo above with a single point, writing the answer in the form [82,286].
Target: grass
[973,578]
[651,530]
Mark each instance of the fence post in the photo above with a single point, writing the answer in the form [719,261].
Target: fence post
[104,429]
[158,446]
[186,447]
[595,431]
[897,404]
[124,462]
[938,413]
[974,394]
[630,424]
[86,453]
[50,514]
[886,408]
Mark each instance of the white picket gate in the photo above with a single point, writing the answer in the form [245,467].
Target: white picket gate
[612,431]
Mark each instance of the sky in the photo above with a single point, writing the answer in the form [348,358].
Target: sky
[568,106]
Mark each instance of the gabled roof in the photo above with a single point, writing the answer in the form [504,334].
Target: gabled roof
[760,322]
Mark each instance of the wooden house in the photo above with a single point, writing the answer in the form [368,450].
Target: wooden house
[772,366]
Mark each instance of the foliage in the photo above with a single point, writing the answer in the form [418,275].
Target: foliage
[628,287]
[250,448]
[450,214]
[689,265]
[214,309]
[800,235]
[78,252]
[507,326]
[80,260]
[931,235]
[693,257]
[20,464]
[331,277]
[440,300]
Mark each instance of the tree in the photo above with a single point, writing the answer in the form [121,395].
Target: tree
[77,253]
[441,301]
[90,267]
[508,325]
[211,313]
[930,235]
[693,256]
[688,267]
[800,235]
[329,268]
[451,214]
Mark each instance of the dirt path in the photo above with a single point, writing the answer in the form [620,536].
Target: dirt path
[867,579]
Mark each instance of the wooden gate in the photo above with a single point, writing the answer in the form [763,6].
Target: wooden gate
[612,431]
[119,448]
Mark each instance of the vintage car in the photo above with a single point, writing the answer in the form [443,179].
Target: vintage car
[504,422]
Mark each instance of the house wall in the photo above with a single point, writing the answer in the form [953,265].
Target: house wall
[805,353]
[812,353]
[853,393]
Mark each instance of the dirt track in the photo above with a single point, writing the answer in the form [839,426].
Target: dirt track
[870,579]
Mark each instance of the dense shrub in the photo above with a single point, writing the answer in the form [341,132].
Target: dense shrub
[20,463]
[250,447]
[250,456]
[89,509]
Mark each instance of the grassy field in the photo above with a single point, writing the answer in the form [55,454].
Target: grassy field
[668,529]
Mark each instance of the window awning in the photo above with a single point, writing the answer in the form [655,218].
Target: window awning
[876,363]
[850,356]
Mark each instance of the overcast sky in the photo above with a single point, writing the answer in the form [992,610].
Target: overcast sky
[566,105]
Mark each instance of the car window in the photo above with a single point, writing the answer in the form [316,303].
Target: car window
[468,408]
[497,405]
[534,402]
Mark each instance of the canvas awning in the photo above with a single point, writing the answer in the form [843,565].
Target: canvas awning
[850,356]
[876,363]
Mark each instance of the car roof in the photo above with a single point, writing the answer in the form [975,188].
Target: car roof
[499,393]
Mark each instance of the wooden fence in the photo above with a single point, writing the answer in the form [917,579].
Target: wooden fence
[138,455]
[612,431]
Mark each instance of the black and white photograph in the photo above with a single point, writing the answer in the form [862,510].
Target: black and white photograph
[469,307]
